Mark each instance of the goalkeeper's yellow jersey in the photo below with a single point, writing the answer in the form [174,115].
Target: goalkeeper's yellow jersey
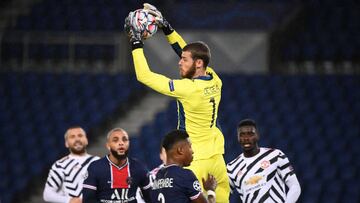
[197,101]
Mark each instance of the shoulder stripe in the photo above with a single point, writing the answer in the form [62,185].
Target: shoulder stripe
[64,167]
[284,166]
[89,187]
[289,174]
[56,183]
[56,173]
[171,85]
[195,196]
[86,162]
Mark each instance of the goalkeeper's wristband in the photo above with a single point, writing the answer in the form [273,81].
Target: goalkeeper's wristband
[136,44]
[167,29]
[211,193]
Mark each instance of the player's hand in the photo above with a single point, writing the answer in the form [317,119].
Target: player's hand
[210,183]
[132,30]
[153,10]
[75,200]
[160,20]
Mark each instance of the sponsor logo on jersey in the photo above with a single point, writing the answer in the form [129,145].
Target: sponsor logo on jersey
[253,180]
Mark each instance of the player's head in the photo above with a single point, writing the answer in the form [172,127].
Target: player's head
[195,57]
[76,140]
[118,143]
[178,148]
[248,135]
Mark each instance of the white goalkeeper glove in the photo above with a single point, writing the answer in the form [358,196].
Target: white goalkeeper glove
[133,31]
[160,20]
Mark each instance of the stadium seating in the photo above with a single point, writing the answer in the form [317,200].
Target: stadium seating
[37,107]
[108,16]
[312,119]
[330,33]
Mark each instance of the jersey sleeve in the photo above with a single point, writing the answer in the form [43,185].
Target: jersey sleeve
[190,184]
[284,168]
[176,42]
[160,83]
[90,184]
[55,177]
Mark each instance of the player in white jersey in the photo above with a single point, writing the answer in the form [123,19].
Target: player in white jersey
[66,176]
[260,174]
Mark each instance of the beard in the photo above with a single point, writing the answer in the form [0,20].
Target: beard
[78,150]
[190,73]
[119,156]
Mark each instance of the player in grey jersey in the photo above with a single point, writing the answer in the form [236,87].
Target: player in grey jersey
[260,174]
[66,176]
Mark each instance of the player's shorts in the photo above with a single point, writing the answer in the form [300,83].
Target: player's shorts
[215,166]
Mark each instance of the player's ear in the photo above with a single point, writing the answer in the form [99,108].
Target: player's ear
[107,146]
[199,63]
[66,145]
[180,150]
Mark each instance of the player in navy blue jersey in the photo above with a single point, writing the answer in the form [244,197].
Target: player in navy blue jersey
[116,177]
[175,184]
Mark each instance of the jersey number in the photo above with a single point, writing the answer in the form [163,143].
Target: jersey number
[161,198]
[212,100]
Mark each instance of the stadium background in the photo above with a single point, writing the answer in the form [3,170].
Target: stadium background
[292,65]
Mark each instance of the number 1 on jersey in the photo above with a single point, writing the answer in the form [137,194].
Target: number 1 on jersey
[212,100]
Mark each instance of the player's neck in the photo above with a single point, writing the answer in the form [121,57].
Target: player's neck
[199,72]
[78,154]
[173,162]
[250,153]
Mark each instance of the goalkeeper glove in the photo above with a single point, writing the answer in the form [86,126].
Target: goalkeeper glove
[160,20]
[133,31]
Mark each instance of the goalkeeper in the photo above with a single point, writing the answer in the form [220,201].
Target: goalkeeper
[198,96]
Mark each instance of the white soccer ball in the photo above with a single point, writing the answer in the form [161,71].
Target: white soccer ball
[145,22]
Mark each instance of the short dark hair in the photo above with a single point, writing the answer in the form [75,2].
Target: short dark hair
[173,137]
[199,50]
[247,122]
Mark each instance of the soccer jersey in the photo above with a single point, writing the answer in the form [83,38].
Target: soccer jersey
[197,101]
[175,184]
[107,182]
[260,178]
[66,175]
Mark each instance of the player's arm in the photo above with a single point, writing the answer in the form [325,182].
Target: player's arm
[195,194]
[288,174]
[158,82]
[51,195]
[294,189]
[145,186]
[90,185]
[174,39]
[53,185]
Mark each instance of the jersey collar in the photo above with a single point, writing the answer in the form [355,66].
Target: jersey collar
[118,167]
[205,77]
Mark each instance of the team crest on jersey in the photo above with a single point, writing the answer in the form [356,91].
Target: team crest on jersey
[264,164]
[197,186]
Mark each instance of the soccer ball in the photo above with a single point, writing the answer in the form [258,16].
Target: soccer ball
[145,22]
